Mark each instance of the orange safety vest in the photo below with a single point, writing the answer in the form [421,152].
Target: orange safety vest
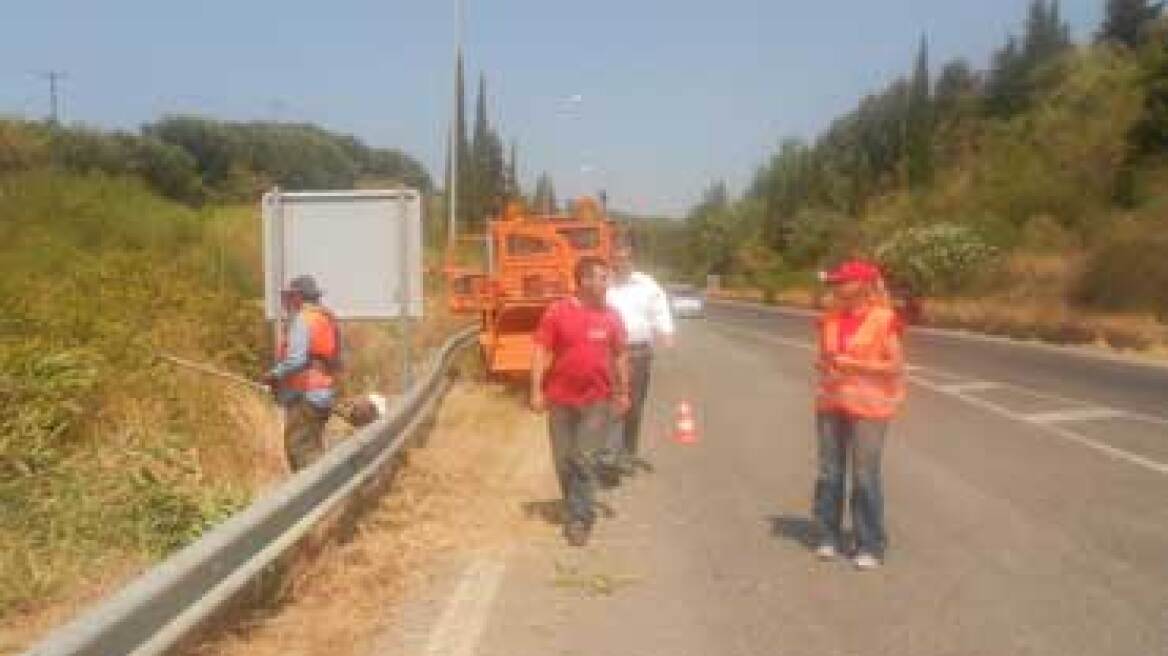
[867,396]
[322,350]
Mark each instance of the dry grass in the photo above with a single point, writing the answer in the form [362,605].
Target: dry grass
[1050,322]
[238,450]
[460,494]
[21,630]
[792,296]
[373,348]
[1025,299]
[158,454]
[739,294]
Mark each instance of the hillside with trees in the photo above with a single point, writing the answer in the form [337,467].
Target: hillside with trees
[1040,180]
[195,160]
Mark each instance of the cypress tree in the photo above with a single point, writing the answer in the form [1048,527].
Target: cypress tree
[1125,21]
[919,122]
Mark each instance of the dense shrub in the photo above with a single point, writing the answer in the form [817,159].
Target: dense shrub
[101,445]
[942,258]
[237,159]
[193,160]
[1129,273]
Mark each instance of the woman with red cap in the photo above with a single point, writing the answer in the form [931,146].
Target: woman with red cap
[861,387]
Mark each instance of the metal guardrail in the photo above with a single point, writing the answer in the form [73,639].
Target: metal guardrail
[170,601]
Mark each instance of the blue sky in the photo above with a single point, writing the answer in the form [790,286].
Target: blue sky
[668,94]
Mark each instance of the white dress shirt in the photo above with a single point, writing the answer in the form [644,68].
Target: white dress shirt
[642,305]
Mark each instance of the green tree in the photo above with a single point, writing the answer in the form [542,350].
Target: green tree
[956,84]
[783,187]
[1062,159]
[1006,87]
[513,190]
[1151,132]
[1126,22]
[544,199]
[1023,68]
[237,160]
[488,176]
[1047,36]
[710,244]
[919,127]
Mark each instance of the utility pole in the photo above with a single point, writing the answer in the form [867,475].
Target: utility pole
[54,103]
[455,138]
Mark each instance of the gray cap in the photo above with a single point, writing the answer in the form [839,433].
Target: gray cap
[305,286]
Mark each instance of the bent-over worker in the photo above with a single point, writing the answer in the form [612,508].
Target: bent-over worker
[304,377]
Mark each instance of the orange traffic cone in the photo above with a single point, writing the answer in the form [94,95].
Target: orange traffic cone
[686,428]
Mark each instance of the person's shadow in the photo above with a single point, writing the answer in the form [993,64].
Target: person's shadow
[802,530]
[794,528]
[552,511]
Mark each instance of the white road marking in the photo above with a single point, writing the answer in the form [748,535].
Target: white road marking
[1107,449]
[974,386]
[1042,422]
[459,629]
[1074,414]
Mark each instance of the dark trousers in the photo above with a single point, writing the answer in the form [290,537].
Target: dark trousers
[640,364]
[578,437]
[304,433]
[840,435]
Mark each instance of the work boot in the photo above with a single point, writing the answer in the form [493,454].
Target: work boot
[866,562]
[826,551]
[606,469]
[577,533]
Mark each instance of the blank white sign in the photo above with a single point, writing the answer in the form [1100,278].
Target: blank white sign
[353,243]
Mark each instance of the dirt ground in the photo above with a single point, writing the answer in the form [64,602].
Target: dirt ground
[482,482]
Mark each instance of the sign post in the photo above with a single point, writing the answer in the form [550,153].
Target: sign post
[364,247]
[404,290]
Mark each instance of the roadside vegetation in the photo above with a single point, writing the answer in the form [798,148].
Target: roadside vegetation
[1028,197]
[116,249]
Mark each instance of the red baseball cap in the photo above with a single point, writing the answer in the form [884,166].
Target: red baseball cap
[853,271]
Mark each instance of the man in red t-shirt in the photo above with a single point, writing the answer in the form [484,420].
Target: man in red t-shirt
[579,343]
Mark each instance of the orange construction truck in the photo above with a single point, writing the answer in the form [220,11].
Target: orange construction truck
[530,260]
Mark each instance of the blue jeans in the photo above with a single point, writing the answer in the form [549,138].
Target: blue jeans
[840,435]
[579,436]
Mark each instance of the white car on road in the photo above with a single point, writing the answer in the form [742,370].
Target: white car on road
[685,301]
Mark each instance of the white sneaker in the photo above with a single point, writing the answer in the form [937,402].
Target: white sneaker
[826,551]
[866,561]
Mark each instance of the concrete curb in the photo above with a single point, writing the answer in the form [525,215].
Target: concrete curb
[170,601]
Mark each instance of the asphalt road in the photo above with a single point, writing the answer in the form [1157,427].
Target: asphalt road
[1026,499]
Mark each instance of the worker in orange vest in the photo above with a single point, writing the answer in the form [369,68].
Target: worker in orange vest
[861,387]
[304,378]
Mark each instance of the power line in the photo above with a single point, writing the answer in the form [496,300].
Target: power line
[54,92]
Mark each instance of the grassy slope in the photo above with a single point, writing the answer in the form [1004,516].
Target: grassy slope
[109,457]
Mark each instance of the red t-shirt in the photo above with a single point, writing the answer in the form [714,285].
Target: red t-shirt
[582,340]
[849,323]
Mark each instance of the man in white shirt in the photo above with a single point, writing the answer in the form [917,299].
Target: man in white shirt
[644,309]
